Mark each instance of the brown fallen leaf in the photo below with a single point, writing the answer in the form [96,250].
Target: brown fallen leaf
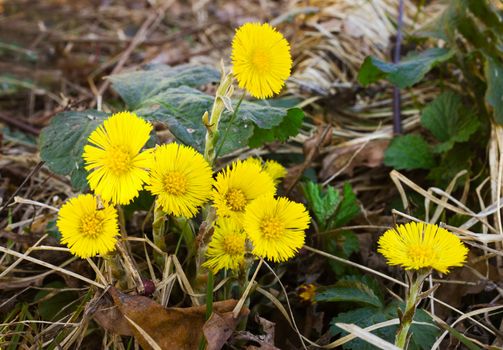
[110,318]
[249,337]
[173,328]
[266,341]
[219,328]
[268,328]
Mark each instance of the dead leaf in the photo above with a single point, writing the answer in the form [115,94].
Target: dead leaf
[247,336]
[344,159]
[174,328]
[268,328]
[219,328]
[110,318]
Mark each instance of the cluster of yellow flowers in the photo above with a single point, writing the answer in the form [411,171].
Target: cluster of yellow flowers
[182,181]
[244,200]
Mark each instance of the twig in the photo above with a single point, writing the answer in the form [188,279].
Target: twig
[397,120]
[21,125]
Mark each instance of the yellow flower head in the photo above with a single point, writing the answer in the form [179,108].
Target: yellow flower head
[227,247]
[307,292]
[275,170]
[272,168]
[239,184]
[181,179]
[416,246]
[276,227]
[261,59]
[118,169]
[88,227]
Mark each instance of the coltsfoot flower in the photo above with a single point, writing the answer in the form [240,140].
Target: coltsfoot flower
[307,292]
[117,168]
[239,184]
[415,246]
[261,59]
[181,179]
[227,247]
[88,227]
[276,227]
[275,170]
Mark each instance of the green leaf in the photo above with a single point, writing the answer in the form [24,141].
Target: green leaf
[182,108]
[449,121]
[54,307]
[487,13]
[144,202]
[348,208]
[452,162]
[288,127]
[329,208]
[52,230]
[494,75]
[355,289]
[444,25]
[137,87]
[422,338]
[342,244]
[18,137]
[363,317]
[62,143]
[323,204]
[409,152]
[169,95]
[407,72]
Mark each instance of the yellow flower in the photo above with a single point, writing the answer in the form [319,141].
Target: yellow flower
[88,227]
[272,168]
[275,170]
[276,227]
[227,247]
[261,59]
[419,245]
[181,179]
[118,167]
[307,292]
[239,184]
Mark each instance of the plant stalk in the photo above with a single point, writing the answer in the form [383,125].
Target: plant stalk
[158,229]
[413,299]
[222,101]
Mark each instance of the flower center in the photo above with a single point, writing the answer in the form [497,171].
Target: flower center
[175,183]
[92,225]
[233,244]
[236,199]
[423,255]
[272,228]
[119,160]
[261,60]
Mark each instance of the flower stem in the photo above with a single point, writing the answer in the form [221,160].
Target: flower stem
[244,297]
[222,101]
[209,304]
[158,227]
[413,299]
